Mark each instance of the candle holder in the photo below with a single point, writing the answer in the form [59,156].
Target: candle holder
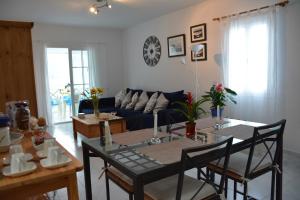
[155,139]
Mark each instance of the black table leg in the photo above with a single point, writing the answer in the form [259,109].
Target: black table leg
[138,189]
[279,174]
[87,172]
[106,182]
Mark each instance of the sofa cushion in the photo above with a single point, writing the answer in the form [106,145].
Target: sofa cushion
[161,103]
[134,100]
[126,100]
[134,91]
[143,99]
[119,98]
[173,97]
[151,103]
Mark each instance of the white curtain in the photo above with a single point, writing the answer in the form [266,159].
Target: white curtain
[98,71]
[250,65]
[41,81]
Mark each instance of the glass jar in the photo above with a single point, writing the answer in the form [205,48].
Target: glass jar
[4,131]
[22,115]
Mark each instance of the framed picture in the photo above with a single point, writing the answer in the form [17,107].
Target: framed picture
[198,33]
[176,46]
[201,55]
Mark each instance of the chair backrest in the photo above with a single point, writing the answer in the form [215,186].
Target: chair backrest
[200,157]
[267,138]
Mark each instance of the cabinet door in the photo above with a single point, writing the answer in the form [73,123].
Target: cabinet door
[16,66]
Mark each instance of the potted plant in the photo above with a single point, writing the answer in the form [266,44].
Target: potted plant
[218,96]
[94,94]
[192,111]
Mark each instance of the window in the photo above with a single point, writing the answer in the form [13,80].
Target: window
[250,65]
[248,58]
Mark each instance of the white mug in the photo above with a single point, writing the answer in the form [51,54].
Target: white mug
[18,163]
[17,148]
[55,155]
[48,143]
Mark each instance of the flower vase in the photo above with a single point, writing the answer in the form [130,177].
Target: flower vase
[96,107]
[190,129]
[214,112]
[218,119]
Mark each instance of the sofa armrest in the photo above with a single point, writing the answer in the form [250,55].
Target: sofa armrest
[86,105]
[108,102]
[171,116]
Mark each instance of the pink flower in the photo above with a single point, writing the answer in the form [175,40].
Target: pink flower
[219,88]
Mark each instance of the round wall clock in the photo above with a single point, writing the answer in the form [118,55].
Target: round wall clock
[152,51]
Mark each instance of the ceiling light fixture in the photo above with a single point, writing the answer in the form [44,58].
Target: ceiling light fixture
[94,9]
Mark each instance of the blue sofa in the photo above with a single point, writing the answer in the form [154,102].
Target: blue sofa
[136,120]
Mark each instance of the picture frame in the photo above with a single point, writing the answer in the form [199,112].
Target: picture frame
[201,56]
[198,33]
[176,46]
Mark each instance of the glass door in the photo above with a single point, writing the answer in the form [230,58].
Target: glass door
[68,75]
[59,84]
[80,76]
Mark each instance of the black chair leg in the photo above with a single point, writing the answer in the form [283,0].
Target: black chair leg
[273,184]
[234,189]
[226,187]
[130,196]
[198,174]
[245,191]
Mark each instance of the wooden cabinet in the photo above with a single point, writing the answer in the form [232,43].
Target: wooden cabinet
[16,64]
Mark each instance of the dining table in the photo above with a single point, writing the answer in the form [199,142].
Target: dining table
[135,155]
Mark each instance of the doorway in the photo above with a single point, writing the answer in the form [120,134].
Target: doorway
[68,76]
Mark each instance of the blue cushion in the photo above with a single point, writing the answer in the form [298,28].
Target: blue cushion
[173,97]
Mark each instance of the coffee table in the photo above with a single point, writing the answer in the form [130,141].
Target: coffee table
[89,126]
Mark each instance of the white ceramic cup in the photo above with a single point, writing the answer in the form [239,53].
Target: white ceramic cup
[18,163]
[17,148]
[55,155]
[48,143]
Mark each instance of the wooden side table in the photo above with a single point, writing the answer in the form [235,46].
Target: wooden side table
[41,180]
[89,126]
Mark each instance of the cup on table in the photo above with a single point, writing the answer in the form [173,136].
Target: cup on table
[55,155]
[50,142]
[18,163]
[17,148]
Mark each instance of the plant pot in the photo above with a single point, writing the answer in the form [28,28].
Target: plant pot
[190,129]
[214,112]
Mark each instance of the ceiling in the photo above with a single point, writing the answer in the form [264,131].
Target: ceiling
[124,13]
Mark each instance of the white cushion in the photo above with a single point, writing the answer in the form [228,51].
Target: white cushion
[151,103]
[119,98]
[143,99]
[161,103]
[165,189]
[126,100]
[238,162]
[134,100]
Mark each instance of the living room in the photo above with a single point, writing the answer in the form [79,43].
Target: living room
[113,36]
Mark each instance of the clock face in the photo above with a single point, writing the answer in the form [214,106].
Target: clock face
[152,51]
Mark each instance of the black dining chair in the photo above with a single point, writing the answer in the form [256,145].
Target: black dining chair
[181,186]
[263,156]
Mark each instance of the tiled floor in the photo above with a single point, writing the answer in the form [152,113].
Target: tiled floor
[258,188]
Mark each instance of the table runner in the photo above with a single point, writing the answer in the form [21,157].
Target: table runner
[135,137]
[167,153]
[242,132]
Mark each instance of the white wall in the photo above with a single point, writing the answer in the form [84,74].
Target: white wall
[170,74]
[111,75]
